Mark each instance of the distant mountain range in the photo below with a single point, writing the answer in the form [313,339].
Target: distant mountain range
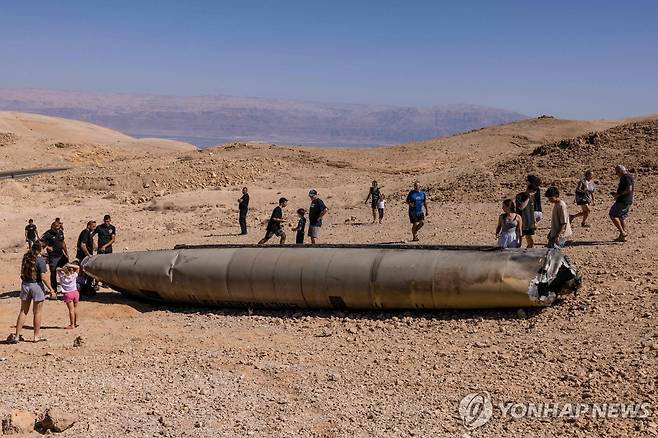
[207,120]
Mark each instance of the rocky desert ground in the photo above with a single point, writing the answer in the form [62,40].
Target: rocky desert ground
[138,369]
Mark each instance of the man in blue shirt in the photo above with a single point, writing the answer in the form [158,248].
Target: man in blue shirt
[315,213]
[417,200]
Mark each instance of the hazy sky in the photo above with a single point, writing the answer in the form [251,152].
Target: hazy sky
[575,59]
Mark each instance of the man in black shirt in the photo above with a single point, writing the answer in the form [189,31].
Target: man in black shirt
[107,234]
[623,201]
[58,255]
[274,225]
[316,212]
[85,246]
[31,233]
[243,206]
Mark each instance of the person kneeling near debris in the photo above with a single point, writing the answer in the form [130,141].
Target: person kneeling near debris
[34,281]
[68,276]
[274,225]
[560,226]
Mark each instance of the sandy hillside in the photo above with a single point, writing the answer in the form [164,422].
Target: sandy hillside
[31,140]
[147,370]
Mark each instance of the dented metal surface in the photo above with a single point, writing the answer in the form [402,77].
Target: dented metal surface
[340,276]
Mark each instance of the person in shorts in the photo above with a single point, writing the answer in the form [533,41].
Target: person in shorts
[535,181]
[624,197]
[301,227]
[525,207]
[68,278]
[585,197]
[316,212]
[34,282]
[373,196]
[274,227]
[417,200]
[31,234]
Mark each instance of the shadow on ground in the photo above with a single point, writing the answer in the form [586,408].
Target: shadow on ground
[112,297]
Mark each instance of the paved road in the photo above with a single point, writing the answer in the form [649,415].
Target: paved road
[30,172]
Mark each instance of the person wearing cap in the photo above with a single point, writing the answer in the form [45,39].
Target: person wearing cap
[316,212]
[560,226]
[623,201]
[274,227]
[417,199]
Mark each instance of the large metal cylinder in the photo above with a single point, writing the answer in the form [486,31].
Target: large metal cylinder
[340,276]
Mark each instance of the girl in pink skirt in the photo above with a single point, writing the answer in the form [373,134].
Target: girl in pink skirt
[67,279]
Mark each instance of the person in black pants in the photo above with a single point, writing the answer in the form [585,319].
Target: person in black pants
[107,235]
[243,206]
[58,255]
[301,226]
[85,245]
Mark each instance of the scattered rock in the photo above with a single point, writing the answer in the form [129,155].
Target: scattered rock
[78,341]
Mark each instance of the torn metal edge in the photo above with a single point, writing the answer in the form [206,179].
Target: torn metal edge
[557,276]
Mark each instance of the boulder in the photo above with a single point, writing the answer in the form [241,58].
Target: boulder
[56,420]
[18,421]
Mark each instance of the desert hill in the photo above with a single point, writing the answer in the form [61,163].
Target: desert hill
[32,140]
[204,118]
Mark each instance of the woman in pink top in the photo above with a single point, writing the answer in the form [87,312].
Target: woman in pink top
[68,276]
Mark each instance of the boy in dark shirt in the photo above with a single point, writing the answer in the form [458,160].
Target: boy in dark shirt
[301,226]
[31,233]
[274,224]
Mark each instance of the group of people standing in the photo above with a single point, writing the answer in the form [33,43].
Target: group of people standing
[316,212]
[47,269]
[520,216]
[416,200]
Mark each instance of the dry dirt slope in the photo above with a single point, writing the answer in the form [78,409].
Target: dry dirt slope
[146,370]
[34,140]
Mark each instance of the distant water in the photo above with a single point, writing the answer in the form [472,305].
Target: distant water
[206,142]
